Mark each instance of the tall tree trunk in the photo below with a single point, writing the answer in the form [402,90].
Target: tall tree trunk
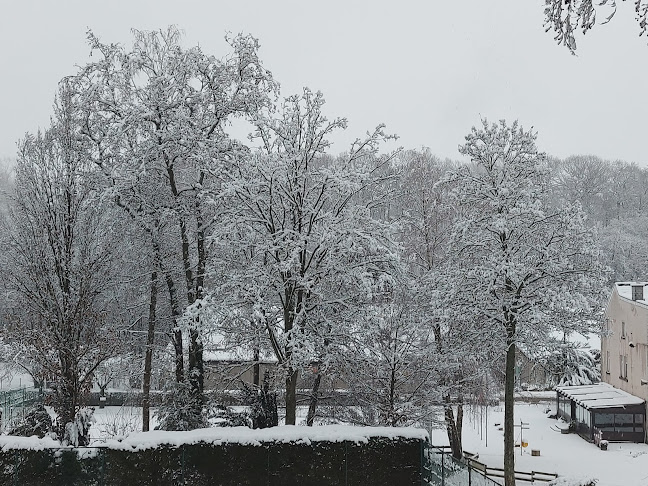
[201,269]
[312,406]
[454,427]
[177,333]
[256,368]
[509,389]
[194,285]
[291,396]
[148,358]
[292,373]
[460,421]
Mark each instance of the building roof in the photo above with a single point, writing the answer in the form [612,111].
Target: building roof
[599,395]
[624,290]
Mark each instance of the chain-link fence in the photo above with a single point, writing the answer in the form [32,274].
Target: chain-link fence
[14,402]
[441,469]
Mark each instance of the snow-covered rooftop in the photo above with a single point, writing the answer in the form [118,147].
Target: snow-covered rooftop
[624,290]
[599,395]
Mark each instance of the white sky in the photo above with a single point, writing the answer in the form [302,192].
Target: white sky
[428,69]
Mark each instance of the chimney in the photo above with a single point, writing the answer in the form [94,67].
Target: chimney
[637,292]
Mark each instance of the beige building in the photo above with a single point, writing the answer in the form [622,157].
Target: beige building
[624,341]
[624,349]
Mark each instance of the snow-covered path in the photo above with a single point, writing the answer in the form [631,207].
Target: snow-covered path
[623,464]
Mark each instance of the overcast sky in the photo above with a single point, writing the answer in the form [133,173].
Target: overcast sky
[427,69]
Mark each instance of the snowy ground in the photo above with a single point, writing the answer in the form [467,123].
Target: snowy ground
[623,464]
[117,422]
[112,422]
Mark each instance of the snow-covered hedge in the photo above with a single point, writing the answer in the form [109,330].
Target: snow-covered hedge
[280,455]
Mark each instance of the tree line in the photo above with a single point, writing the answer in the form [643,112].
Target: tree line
[137,227]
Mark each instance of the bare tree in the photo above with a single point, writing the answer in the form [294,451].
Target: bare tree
[59,258]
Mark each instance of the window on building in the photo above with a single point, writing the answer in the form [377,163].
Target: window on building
[607,361]
[623,422]
[623,366]
[604,421]
[623,330]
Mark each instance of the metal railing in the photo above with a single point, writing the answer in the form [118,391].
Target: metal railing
[441,469]
[13,403]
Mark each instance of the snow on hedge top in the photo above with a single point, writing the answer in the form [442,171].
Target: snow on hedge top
[31,443]
[231,435]
[599,395]
[246,436]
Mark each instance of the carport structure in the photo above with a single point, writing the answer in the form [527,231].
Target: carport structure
[602,412]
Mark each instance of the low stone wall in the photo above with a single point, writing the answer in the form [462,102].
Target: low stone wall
[311,460]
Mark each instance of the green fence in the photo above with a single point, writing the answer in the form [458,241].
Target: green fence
[13,403]
[441,469]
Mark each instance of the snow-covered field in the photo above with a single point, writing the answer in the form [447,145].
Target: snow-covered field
[117,422]
[623,464]
[111,422]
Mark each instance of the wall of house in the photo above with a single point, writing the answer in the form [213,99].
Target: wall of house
[619,349]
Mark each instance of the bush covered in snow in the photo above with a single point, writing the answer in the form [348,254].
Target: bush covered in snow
[181,409]
[569,364]
[36,422]
[263,404]
[77,432]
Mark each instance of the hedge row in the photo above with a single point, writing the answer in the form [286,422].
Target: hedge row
[380,461]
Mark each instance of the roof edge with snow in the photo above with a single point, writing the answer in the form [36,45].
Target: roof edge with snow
[599,395]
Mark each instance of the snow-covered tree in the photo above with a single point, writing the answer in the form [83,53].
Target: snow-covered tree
[156,117]
[424,213]
[390,363]
[566,17]
[523,265]
[623,242]
[308,245]
[570,364]
[59,244]
[427,214]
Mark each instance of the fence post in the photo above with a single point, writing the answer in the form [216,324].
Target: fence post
[442,467]
[16,467]
[422,465]
[183,464]
[102,466]
[346,463]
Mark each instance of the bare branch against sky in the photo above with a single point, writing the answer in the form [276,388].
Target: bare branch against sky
[428,70]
